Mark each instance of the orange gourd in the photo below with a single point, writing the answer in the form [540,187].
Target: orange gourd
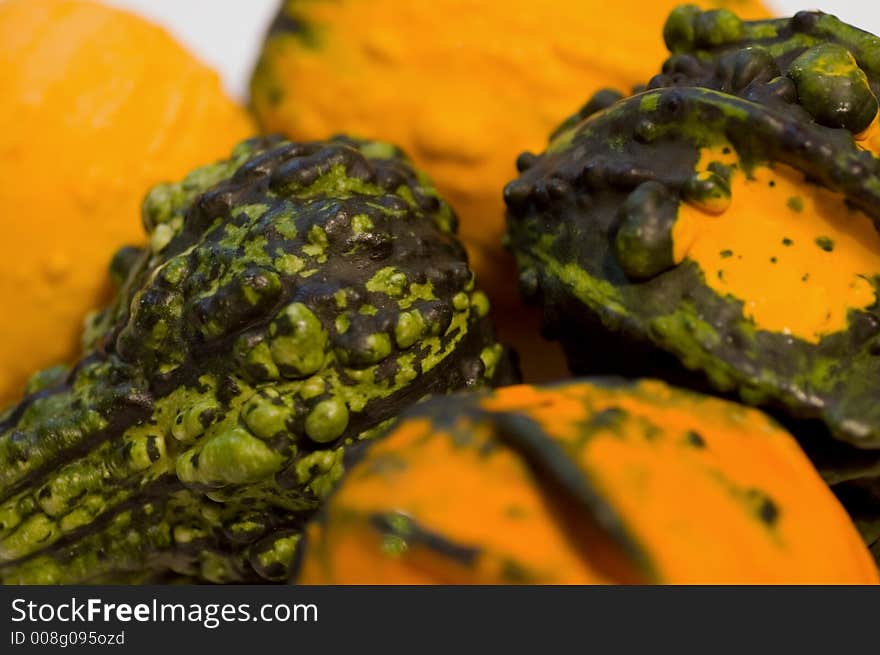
[97,105]
[586,482]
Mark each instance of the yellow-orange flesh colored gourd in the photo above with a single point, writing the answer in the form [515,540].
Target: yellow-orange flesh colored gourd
[97,105]
[793,252]
[587,482]
[463,86]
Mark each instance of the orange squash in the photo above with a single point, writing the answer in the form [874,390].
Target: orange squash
[97,105]
[587,482]
[462,85]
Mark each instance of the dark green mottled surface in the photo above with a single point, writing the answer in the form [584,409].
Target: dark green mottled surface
[292,301]
[589,223]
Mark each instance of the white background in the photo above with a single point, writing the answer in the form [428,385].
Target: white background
[227,33]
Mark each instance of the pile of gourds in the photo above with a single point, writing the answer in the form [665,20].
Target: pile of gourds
[262,395]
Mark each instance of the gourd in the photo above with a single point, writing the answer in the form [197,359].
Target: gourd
[591,481]
[719,230]
[292,300]
[97,106]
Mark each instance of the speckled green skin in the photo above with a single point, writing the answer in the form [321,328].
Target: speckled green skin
[589,223]
[292,301]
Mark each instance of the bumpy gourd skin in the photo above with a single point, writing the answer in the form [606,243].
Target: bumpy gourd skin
[593,222]
[292,301]
[590,481]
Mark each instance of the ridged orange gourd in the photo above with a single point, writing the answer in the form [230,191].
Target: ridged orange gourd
[463,86]
[598,481]
[96,106]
